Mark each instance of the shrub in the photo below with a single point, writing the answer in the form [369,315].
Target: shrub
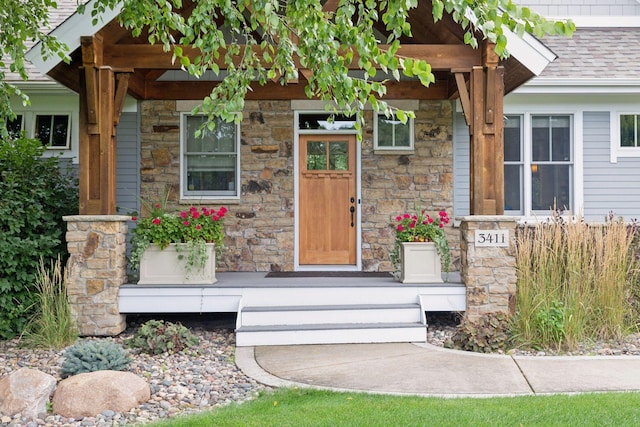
[158,336]
[91,356]
[488,334]
[35,196]
[52,325]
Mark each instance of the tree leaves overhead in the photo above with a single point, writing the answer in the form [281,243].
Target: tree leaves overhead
[274,40]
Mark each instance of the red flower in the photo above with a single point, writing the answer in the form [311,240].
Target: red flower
[441,225]
[195,214]
[430,220]
[223,210]
[156,221]
[184,215]
[398,218]
[198,227]
[413,224]
[215,217]
[407,216]
[400,228]
[134,218]
[186,223]
[157,205]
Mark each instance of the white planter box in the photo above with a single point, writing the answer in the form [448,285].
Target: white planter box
[420,263]
[163,267]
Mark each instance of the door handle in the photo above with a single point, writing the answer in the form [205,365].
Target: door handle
[352,210]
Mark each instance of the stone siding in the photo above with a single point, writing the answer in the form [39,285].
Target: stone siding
[96,269]
[489,273]
[260,227]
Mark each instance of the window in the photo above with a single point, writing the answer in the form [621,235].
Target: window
[52,130]
[14,127]
[538,165]
[391,134]
[513,163]
[210,163]
[629,131]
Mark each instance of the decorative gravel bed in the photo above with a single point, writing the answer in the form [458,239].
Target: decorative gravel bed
[194,381]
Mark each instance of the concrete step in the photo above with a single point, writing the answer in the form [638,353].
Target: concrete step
[321,314]
[330,334]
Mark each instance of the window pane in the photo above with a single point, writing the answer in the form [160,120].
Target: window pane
[551,187]
[211,181]
[43,129]
[393,133]
[60,129]
[627,130]
[540,139]
[221,140]
[561,135]
[325,121]
[316,155]
[512,187]
[512,139]
[14,127]
[339,156]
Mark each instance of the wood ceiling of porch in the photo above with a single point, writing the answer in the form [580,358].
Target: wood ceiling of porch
[440,44]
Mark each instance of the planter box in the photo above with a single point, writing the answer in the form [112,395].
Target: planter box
[420,263]
[164,267]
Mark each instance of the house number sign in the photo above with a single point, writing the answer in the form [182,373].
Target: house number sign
[492,238]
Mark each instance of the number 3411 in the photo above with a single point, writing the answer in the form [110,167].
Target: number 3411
[497,238]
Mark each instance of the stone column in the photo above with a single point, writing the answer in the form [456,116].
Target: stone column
[96,268]
[488,264]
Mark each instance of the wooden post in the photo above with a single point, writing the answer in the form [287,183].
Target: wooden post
[487,136]
[100,108]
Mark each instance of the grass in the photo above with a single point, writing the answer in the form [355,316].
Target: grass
[576,282]
[304,407]
[52,325]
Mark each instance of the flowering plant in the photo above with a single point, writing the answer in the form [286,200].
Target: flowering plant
[194,228]
[421,227]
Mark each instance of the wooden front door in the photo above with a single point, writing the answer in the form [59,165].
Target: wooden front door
[327,200]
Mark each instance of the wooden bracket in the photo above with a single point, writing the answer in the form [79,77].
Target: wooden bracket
[464,97]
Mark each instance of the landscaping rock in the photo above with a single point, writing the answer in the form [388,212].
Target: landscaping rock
[26,392]
[89,394]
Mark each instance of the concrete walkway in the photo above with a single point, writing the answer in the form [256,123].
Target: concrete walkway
[424,369]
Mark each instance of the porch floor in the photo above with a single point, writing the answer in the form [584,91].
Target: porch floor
[306,310]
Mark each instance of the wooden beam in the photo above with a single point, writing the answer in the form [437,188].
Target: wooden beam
[464,98]
[122,83]
[440,57]
[197,90]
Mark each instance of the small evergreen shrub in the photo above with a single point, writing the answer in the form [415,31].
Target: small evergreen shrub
[158,336]
[91,356]
[487,335]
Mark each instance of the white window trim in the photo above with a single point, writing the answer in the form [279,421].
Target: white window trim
[392,150]
[577,190]
[615,149]
[188,198]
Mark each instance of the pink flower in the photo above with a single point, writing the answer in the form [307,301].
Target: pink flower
[406,216]
[215,217]
[400,228]
[441,225]
[156,221]
[430,220]
[198,227]
[184,214]
[398,218]
[186,223]
[157,205]
[195,214]
[223,210]
[413,224]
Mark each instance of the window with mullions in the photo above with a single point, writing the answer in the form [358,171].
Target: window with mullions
[392,134]
[52,130]
[551,162]
[211,162]
[629,130]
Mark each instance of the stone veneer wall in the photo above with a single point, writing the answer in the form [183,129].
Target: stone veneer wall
[260,227]
[96,268]
[489,273]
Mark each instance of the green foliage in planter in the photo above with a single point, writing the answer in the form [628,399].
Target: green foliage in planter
[91,356]
[486,335]
[35,196]
[158,336]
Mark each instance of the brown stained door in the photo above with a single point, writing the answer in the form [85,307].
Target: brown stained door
[327,217]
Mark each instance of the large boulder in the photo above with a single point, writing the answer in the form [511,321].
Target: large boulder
[88,394]
[26,392]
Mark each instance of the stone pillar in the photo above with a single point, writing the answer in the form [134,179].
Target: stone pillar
[96,268]
[488,264]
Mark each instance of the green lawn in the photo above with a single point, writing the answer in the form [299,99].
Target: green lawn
[303,407]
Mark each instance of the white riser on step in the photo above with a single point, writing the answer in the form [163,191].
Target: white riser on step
[330,314]
[335,336]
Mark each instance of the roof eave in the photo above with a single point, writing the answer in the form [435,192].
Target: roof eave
[529,51]
[543,85]
[69,33]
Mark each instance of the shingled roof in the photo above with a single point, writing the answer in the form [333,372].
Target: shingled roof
[595,53]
